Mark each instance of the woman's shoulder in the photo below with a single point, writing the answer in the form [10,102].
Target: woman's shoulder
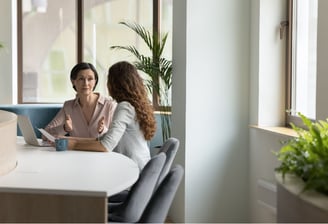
[69,102]
[105,99]
[70,106]
[125,109]
[125,105]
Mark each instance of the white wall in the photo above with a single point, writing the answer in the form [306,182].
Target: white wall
[178,211]
[210,108]
[267,84]
[8,70]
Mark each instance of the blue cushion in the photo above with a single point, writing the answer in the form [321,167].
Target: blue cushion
[39,114]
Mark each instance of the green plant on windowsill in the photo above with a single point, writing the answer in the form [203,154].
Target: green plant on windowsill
[158,68]
[306,156]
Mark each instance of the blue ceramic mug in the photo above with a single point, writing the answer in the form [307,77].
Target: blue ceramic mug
[61,144]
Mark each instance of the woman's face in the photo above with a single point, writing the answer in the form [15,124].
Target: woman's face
[84,82]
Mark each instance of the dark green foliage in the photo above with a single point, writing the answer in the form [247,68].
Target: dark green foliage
[156,67]
[306,156]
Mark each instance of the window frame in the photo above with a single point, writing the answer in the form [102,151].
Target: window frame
[80,40]
[290,119]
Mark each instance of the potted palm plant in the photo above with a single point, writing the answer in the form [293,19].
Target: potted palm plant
[158,68]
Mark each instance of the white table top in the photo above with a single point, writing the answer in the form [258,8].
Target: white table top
[43,170]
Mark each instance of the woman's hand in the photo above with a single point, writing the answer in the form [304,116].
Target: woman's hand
[68,126]
[101,125]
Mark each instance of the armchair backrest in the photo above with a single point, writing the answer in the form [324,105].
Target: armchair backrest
[135,203]
[161,201]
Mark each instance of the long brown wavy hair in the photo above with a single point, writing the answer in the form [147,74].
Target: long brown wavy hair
[125,84]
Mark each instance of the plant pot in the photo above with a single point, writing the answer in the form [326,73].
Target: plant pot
[298,206]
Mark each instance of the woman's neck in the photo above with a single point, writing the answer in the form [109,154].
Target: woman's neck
[88,100]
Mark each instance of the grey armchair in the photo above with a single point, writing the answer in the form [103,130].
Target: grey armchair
[131,209]
[170,148]
[160,203]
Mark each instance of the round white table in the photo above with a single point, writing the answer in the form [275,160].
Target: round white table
[44,171]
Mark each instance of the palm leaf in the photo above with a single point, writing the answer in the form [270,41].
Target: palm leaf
[141,31]
[166,72]
[158,69]
[130,49]
[162,44]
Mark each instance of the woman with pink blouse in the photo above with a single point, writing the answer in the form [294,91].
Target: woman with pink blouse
[90,113]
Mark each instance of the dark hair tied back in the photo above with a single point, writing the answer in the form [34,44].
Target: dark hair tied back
[82,66]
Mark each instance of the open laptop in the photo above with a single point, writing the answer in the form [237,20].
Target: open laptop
[27,130]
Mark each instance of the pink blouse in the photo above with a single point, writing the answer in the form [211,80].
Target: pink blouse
[105,108]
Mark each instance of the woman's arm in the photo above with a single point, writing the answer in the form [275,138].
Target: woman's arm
[85,144]
[124,115]
[56,125]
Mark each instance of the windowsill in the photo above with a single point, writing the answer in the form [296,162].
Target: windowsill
[163,112]
[277,130]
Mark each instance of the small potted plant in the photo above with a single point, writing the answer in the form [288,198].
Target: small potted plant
[306,156]
[302,175]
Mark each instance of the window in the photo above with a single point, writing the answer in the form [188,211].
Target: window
[302,69]
[56,34]
[49,50]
